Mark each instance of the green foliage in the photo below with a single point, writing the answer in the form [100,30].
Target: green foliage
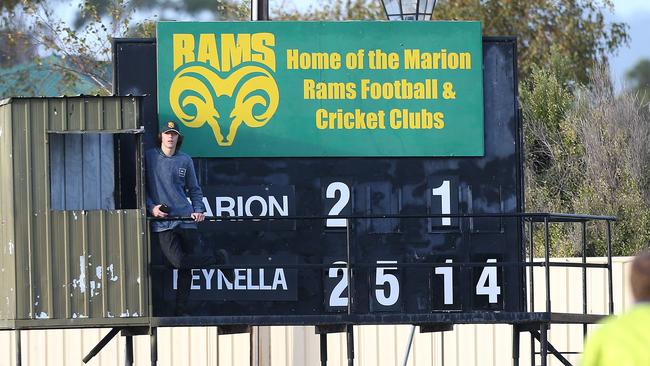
[639,77]
[81,49]
[144,29]
[78,52]
[335,10]
[586,152]
[15,47]
[631,232]
[8,4]
[614,133]
[75,57]
[168,9]
[550,140]
[577,29]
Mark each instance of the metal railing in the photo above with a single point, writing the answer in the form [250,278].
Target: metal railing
[527,249]
[527,260]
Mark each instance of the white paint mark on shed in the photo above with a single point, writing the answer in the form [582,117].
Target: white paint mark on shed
[109,270]
[81,282]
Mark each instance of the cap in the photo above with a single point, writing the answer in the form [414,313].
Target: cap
[171,126]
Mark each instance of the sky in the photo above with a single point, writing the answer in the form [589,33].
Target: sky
[636,13]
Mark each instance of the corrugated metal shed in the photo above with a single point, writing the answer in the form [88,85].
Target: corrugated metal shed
[70,267]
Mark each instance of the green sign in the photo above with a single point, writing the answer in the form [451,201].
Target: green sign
[309,89]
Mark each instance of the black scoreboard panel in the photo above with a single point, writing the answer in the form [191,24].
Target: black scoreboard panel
[297,269]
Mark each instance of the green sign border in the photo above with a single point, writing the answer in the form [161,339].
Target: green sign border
[292,130]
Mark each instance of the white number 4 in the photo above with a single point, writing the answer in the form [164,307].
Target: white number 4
[487,283]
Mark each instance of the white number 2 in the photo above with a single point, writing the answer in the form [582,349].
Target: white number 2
[336,298]
[332,188]
[487,283]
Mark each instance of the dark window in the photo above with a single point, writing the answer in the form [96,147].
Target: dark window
[92,171]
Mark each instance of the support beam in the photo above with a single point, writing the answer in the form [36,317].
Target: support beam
[532,351]
[515,346]
[330,328]
[19,355]
[442,327]
[323,349]
[153,338]
[102,343]
[233,329]
[543,341]
[135,331]
[408,346]
[128,351]
[549,347]
[350,339]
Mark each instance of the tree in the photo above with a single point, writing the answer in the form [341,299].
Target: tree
[334,10]
[71,54]
[550,140]
[78,52]
[577,29]
[614,133]
[552,171]
[170,9]
[15,46]
[83,50]
[586,151]
[639,77]
[8,4]
[539,26]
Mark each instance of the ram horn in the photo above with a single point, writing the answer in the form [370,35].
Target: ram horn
[255,86]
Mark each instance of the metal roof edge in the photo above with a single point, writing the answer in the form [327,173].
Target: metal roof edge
[21,97]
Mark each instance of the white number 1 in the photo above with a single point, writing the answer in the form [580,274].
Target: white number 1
[445,195]
[448,281]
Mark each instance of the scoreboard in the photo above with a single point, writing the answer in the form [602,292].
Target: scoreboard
[349,238]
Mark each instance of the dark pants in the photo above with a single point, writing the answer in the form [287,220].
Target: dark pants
[178,247]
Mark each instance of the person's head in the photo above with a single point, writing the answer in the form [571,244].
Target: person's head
[170,136]
[640,276]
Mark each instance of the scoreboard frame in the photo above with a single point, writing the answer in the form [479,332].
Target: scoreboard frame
[134,62]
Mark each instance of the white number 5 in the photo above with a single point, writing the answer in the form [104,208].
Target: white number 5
[382,278]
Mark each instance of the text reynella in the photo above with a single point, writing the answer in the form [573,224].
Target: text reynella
[247,279]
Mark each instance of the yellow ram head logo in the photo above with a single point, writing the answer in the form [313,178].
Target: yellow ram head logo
[197,96]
